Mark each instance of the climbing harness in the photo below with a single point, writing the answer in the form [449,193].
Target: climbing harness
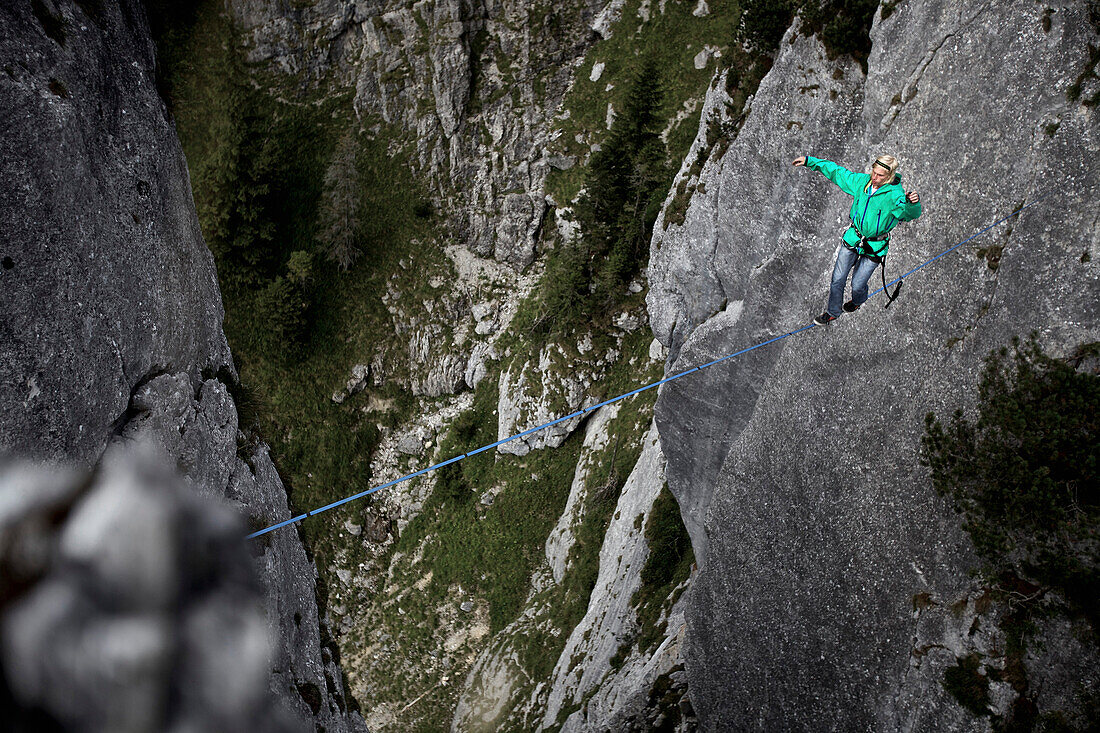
[866,243]
[586,410]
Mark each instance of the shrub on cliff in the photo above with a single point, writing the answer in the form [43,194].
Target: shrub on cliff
[843,25]
[667,566]
[763,22]
[1026,475]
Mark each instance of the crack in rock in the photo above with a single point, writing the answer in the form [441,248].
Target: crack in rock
[908,90]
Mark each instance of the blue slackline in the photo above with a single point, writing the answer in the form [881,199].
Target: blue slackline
[361,494]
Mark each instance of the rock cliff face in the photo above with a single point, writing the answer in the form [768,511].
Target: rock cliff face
[474,84]
[103,260]
[615,691]
[602,679]
[796,465]
[111,313]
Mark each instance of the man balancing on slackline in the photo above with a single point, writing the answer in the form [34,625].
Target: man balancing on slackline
[878,204]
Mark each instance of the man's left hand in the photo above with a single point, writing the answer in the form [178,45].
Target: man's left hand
[912,197]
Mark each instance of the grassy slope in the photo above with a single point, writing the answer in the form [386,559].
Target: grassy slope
[469,550]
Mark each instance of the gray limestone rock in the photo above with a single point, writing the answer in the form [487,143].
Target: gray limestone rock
[303,661]
[199,430]
[477,367]
[90,165]
[413,441]
[607,18]
[476,84]
[822,526]
[746,262]
[562,537]
[584,671]
[450,61]
[617,693]
[360,377]
[145,614]
[561,162]
[1063,668]
[537,392]
[437,363]
[442,372]
[111,332]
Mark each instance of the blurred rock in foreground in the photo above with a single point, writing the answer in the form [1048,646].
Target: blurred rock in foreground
[128,603]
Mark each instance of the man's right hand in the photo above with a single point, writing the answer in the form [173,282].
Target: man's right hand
[799,161]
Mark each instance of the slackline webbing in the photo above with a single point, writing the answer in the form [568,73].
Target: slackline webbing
[585,411]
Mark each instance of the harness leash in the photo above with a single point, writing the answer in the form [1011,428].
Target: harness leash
[897,291]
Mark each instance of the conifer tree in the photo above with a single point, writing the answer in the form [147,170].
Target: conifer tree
[627,177]
[339,222]
[626,184]
[232,187]
[282,306]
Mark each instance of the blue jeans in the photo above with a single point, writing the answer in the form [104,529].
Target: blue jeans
[846,259]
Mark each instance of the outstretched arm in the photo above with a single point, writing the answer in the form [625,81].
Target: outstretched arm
[849,182]
[908,208]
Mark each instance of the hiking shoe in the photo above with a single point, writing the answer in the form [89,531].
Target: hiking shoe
[850,307]
[824,318]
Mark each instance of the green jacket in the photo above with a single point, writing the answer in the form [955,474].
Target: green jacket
[872,214]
